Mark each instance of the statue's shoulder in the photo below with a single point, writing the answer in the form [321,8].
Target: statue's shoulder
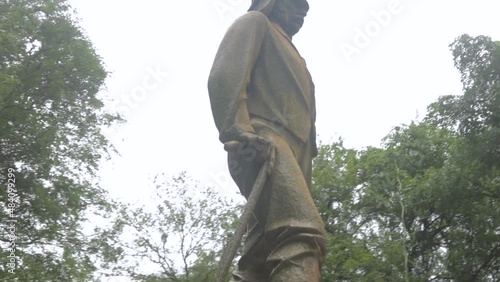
[251,19]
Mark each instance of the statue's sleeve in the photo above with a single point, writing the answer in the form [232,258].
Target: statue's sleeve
[231,73]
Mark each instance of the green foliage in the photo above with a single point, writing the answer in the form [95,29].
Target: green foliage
[425,206]
[182,237]
[50,121]
[476,113]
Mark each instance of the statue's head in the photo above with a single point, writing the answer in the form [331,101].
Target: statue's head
[289,14]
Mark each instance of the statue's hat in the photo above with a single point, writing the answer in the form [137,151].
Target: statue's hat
[264,6]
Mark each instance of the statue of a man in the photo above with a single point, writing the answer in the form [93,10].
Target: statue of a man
[262,96]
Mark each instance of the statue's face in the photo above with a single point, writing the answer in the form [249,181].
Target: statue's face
[290,14]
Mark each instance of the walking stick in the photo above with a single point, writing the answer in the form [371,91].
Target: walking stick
[232,247]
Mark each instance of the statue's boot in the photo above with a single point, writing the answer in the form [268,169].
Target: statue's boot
[304,269]
[296,257]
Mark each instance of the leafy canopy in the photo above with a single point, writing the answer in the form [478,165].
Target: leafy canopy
[50,121]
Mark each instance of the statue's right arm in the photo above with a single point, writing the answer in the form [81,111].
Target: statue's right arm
[231,73]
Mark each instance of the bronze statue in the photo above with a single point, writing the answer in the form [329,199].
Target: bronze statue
[262,96]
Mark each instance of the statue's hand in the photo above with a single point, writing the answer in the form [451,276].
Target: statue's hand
[254,148]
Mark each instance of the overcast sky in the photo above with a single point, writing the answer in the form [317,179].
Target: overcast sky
[375,63]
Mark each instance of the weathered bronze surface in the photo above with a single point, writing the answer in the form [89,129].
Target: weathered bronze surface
[262,95]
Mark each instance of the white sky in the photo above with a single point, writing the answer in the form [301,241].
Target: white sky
[405,65]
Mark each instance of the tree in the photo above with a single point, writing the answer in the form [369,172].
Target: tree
[424,207]
[476,113]
[50,141]
[370,209]
[414,210]
[336,193]
[181,238]
[475,116]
